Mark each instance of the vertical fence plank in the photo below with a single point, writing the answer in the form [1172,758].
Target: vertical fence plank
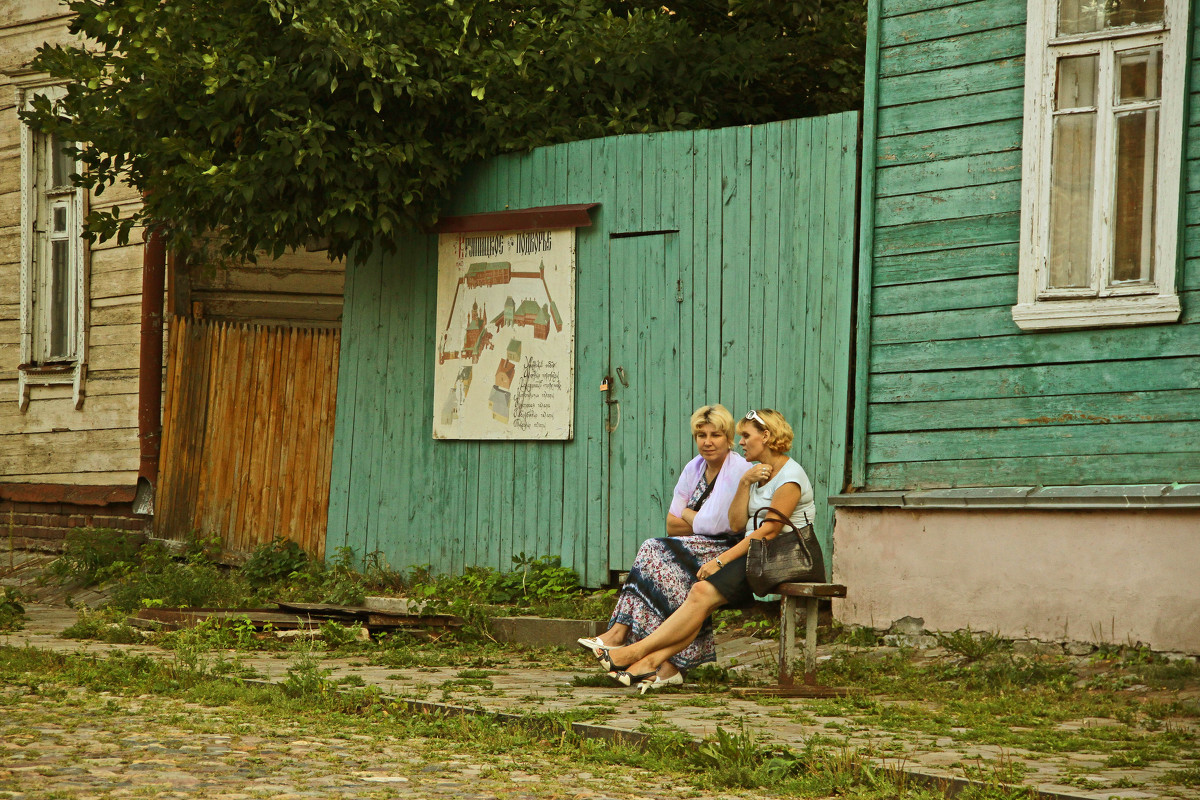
[716,243]
[787,354]
[367,309]
[166,477]
[754,278]
[314,431]
[340,478]
[798,283]
[768,173]
[330,371]
[812,314]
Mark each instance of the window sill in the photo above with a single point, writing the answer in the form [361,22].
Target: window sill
[1147,496]
[56,368]
[72,373]
[1096,312]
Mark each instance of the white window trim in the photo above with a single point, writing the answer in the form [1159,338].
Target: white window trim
[73,373]
[1118,306]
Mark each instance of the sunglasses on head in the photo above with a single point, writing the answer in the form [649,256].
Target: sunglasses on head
[752,414]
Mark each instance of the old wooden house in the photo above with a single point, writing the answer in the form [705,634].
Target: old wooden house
[251,362]
[1026,447]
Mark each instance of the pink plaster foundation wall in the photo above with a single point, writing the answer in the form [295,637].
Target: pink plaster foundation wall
[1093,576]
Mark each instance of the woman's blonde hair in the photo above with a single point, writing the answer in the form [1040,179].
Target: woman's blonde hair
[716,415]
[779,432]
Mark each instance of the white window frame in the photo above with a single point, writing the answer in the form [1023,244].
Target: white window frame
[36,235]
[1156,302]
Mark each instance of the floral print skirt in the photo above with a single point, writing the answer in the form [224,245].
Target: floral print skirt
[658,583]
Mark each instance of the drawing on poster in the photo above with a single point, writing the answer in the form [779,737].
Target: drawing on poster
[506,316]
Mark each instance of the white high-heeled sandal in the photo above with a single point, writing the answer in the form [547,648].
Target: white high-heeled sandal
[660,683]
[595,645]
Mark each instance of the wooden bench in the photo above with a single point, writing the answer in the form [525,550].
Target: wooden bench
[787,686]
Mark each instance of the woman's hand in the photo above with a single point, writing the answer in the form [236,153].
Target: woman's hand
[757,473]
[708,569]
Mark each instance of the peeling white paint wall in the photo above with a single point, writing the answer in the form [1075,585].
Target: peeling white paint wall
[1095,576]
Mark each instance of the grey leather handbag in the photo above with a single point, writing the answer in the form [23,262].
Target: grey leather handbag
[793,556]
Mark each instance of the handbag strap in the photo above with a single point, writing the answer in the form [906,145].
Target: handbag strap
[698,503]
[781,518]
[766,517]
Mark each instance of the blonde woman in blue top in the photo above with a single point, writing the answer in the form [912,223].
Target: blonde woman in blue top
[776,481]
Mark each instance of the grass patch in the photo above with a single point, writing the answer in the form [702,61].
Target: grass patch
[106,625]
[1183,777]
[1001,699]
[730,759]
[148,575]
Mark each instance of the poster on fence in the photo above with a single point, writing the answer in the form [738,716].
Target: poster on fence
[505,352]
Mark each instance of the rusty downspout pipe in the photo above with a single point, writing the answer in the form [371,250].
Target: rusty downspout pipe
[150,370]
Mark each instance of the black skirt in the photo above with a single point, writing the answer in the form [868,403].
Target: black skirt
[730,581]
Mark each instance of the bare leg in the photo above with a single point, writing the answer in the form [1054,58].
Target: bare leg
[676,632]
[666,669]
[615,636]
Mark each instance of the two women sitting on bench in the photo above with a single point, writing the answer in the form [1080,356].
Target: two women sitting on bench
[652,659]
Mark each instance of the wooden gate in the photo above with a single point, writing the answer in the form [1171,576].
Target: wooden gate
[247,433]
[719,268]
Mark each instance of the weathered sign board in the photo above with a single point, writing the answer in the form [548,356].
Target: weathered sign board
[505,349]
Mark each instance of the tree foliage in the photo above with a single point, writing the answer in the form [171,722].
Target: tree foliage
[274,122]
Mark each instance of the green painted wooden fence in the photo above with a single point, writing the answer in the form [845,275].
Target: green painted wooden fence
[719,268]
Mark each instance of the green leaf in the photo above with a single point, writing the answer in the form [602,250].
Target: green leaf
[229,113]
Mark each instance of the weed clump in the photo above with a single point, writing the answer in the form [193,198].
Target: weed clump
[538,586]
[337,636]
[160,580]
[973,645]
[337,582]
[106,625]
[92,556]
[274,561]
[12,613]
[735,760]
[306,678]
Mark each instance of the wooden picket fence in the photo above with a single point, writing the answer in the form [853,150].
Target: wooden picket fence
[247,433]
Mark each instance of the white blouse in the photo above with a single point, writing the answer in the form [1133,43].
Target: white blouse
[760,496]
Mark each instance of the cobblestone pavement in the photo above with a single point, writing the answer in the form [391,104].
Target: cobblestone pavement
[70,743]
[787,722]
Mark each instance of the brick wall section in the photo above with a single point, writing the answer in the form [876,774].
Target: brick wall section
[44,526]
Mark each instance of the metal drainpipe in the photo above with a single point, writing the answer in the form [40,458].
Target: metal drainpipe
[150,371]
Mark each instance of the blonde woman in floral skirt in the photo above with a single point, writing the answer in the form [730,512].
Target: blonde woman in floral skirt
[698,529]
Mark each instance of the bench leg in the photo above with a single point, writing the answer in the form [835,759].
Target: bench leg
[810,641]
[787,639]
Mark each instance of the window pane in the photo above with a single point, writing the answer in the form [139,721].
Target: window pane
[1133,216]
[61,165]
[1076,85]
[1139,76]
[1085,16]
[59,214]
[60,298]
[1071,185]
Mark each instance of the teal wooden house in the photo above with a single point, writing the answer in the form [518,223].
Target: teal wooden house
[1026,427]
